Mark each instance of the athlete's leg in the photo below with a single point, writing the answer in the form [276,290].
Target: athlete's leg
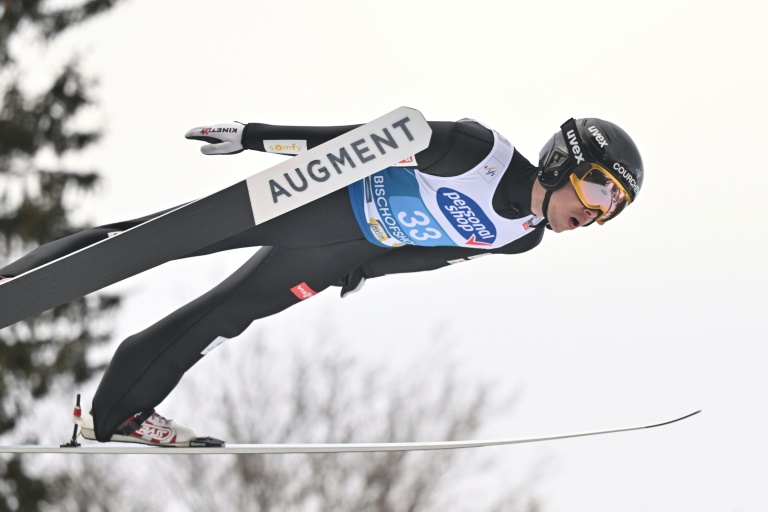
[326,220]
[148,365]
[69,244]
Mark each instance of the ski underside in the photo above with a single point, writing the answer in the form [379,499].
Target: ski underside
[130,448]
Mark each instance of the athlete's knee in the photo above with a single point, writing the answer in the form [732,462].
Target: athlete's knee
[129,352]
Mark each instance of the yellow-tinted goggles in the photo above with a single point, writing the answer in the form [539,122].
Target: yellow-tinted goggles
[598,190]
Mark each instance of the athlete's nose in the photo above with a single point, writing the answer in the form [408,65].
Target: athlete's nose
[591,214]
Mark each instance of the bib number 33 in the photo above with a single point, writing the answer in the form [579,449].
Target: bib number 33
[417,221]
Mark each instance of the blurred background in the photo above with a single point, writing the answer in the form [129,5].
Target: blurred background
[638,321]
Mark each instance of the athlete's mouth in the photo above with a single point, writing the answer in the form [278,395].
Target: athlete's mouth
[575,222]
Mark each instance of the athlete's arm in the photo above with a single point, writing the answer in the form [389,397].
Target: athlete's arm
[418,259]
[294,139]
[454,148]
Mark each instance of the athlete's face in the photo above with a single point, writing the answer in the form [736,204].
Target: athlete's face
[566,212]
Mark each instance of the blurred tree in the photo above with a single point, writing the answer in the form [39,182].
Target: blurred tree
[36,201]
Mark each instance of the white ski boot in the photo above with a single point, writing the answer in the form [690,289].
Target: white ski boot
[150,428]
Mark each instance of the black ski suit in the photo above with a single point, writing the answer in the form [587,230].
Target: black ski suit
[302,252]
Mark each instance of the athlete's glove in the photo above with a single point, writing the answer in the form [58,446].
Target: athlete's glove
[222,139]
[351,283]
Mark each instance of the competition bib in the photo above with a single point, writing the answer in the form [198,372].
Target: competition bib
[402,206]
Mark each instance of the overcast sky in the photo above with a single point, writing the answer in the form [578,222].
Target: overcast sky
[649,317]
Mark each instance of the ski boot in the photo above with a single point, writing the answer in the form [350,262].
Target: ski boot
[147,428]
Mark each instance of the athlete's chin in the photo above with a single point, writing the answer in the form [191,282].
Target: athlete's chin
[559,227]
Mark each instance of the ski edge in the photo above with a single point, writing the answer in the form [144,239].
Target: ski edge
[115,448]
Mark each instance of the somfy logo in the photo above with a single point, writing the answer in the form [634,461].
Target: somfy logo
[575,148]
[279,148]
[598,136]
[285,147]
[627,177]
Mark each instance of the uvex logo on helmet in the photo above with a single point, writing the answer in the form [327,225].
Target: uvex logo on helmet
[627,177]
[575,148]
[598,136]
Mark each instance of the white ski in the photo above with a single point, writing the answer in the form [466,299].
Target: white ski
[127,448]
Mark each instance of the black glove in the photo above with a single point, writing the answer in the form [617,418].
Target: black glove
[351,282]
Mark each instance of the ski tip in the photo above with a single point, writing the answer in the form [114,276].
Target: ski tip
[412,111]
[694,413]
[681,418]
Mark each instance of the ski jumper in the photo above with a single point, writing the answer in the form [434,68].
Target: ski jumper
[467,195]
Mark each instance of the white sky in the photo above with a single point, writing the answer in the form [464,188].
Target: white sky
[647,318]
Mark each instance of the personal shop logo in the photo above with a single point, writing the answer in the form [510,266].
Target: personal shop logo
[466,216]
